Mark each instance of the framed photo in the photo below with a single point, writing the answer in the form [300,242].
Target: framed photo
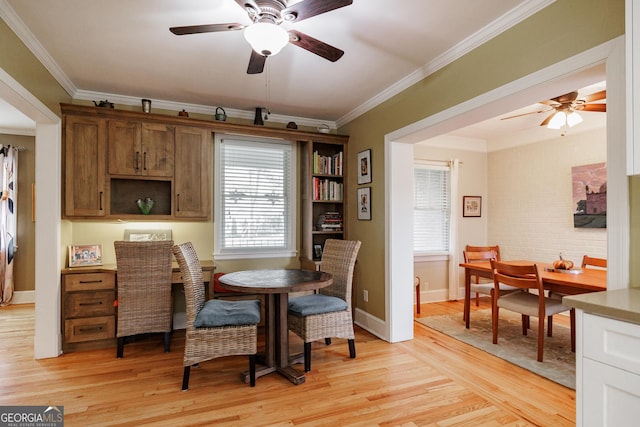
[317,251]
[472,206]
[85,255]
[364,167]
[364,204]
[146,235]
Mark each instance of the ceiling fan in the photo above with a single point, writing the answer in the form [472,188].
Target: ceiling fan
[266,36]
[565,108]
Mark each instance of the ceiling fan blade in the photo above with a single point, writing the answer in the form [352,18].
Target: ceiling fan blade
[524,114]
[594,107]
[550,102]
[547,120]
[209,28]
[595,96]
[315,46]
[308,8]
[256,63]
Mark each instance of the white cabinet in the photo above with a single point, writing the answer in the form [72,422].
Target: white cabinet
[607,372]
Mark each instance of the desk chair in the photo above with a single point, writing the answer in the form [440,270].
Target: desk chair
[525,278]
[144,302]
[327,314]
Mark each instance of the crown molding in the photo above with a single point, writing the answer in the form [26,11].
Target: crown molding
[498,26]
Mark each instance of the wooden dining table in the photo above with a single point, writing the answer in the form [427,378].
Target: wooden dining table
[276,284]
[585,281]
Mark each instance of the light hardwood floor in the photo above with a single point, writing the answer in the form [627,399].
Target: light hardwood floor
[432,380]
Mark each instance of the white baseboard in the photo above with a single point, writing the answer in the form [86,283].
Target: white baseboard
[180,320]
[23,297]
[371,324]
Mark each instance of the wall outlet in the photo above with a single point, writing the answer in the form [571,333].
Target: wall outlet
[365,295]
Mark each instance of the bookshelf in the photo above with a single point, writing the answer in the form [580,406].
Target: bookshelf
[323,172]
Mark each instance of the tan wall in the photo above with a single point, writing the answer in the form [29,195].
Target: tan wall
[553,34]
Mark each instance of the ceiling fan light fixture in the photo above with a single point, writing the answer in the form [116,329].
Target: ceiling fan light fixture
[266,38]
[558,120]
[573,119]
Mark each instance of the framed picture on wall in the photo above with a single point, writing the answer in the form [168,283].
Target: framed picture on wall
[364,167]
[364,204]
[472,206]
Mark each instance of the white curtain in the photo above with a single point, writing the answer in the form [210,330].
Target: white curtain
[454,258]
[8,208]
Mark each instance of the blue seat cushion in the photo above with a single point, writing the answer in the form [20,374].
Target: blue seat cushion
[316,304]
[217,312]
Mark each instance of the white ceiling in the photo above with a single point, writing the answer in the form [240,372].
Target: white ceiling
[122,50]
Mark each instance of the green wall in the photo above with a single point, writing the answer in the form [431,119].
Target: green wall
[562,30]
[18,61]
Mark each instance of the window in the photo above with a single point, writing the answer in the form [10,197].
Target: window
[431,211]
[254,198]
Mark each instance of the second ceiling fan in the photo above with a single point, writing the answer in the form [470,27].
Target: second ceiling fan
[265,34]
[565,107]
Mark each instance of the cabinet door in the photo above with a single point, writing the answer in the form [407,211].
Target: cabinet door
[84,170]
[125,147]
[192,173]
[157,150]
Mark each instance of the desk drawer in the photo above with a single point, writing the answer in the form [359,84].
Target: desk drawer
[89,281]
[613,342]
[89,304]
[89,329]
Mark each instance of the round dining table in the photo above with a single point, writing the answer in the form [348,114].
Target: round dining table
[276,284]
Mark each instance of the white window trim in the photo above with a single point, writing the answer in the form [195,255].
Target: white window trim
[255,253]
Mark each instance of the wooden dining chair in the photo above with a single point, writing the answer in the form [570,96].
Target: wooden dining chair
[526,278]
[144,302]
[488,287]
[588,261]
[214,328]
[327,314]
[481,289]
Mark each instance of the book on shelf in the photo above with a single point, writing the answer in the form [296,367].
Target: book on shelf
[329,221]
[327,165]
[327,190]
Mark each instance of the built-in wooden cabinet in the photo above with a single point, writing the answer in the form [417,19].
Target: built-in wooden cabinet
[85,148]
[113,158]
[323,172]
[192,177]
[141,149]
[88,312]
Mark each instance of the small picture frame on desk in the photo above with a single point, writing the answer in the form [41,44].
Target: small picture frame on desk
[317,251]
[85,255]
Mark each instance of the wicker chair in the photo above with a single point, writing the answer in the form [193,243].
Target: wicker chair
[145,304]
[327,314]
[209,342]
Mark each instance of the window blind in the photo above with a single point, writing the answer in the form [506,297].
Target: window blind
[255,204]
[431,208]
